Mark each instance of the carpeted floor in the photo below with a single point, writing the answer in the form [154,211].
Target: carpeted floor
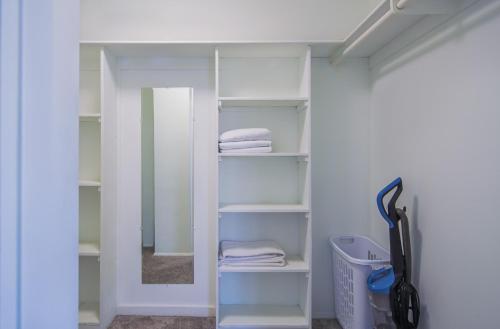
[170,322]
[166,269]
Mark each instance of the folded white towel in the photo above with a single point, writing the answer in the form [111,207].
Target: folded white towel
[250,150]
[247,134]
[243,145]
[278,263]
[251,253]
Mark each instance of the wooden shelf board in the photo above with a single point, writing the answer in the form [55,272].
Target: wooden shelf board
[89,249]
[254,102]
[88,313]
[89,183]
[294,264]
[263,208]
[262,316]
[270,155]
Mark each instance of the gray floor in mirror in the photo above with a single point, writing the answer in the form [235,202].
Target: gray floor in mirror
[169,322]
[166,269]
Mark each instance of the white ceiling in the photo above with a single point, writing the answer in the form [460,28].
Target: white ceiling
[321,23]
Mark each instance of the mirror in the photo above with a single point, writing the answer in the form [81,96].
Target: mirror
[167,191]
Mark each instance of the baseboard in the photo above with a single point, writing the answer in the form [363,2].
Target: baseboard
[166,310]
[173,254]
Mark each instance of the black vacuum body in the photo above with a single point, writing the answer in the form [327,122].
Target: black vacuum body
[405,302]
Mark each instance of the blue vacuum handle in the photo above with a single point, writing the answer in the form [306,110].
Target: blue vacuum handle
[391,208]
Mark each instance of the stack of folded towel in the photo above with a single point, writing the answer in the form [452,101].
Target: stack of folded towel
[251,253]
[249,140]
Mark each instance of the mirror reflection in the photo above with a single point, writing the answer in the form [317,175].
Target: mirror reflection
[167,221]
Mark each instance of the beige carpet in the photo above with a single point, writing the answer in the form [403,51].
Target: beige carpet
[169,322]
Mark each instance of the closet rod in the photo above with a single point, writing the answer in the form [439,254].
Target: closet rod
[401,4]
[368,31]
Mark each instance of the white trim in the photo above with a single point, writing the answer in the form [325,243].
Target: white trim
[173,254]
[210,43]
[166,310]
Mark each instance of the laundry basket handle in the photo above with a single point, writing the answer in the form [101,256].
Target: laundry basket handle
[390,214]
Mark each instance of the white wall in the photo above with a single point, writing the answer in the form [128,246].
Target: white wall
[173,168]
[133,296]
[39,164]
[220,20]
[435,116]
[340,184]
[10,63]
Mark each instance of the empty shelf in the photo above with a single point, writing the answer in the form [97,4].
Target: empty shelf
[225,102]
[89,183]
[265,316]
[88,313]
[294,265]
[263,208]
[90,117]
[88,249]
[271,155]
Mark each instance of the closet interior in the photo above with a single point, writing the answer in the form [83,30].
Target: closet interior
[258,196]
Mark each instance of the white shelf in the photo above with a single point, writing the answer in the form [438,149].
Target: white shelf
[88,313]
[90,117]
[270,155]
[294,265]
[265,102]
[262,316]
[88,249]
[263,208]
[89,183]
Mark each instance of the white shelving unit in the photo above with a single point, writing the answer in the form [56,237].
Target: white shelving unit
[89,183]
[97,188]
[262,316]
[263,208]
[89,314]
[91,117]
[88,249]
[90,188]
[263,155]
[265,196]
[262,102]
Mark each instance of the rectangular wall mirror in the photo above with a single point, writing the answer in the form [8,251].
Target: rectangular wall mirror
[167,185]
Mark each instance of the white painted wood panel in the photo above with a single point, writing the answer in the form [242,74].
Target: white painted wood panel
[109,220]
[133,297]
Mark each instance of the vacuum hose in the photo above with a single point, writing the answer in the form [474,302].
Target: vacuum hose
[405,302]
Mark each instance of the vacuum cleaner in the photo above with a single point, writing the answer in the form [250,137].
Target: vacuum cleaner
[404,299]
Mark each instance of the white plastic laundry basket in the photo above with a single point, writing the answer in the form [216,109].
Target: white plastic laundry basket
[354,256]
